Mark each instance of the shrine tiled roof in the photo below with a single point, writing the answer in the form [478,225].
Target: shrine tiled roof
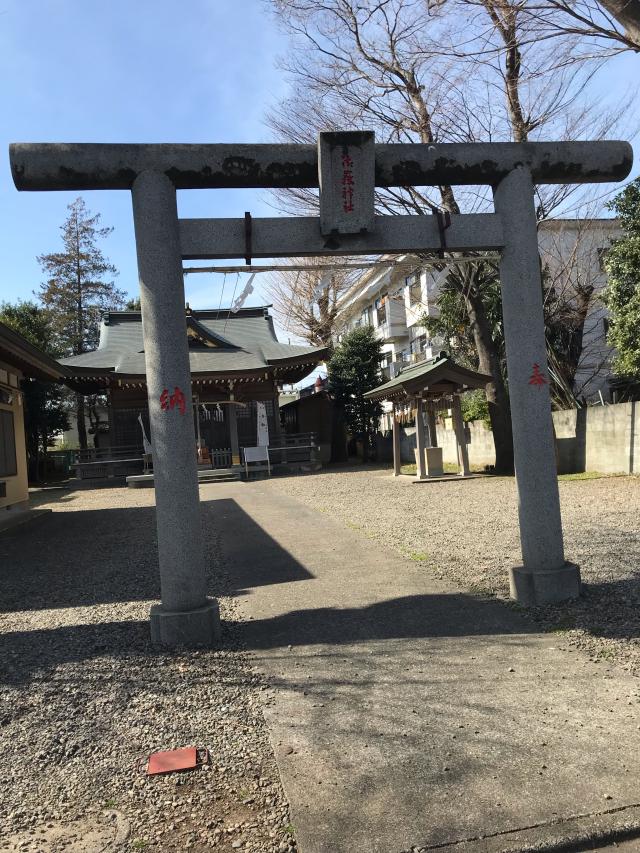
[220,343]
[439,375]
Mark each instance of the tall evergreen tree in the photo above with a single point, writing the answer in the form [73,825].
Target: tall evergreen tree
[45,404]
[79,288]
[353,370]
[622,294]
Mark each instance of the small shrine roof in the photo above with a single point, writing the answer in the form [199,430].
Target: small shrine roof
[436,377]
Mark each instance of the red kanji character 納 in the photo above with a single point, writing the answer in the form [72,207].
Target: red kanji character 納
[177,399]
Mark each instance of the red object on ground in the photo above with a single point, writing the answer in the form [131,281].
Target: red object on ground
[173,759]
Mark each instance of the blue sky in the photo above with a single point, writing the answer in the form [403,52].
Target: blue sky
[141,71]
[135,71]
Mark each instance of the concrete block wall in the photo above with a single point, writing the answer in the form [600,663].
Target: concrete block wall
[597,438]
[479,443]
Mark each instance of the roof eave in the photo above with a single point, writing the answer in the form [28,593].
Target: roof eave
[29,359]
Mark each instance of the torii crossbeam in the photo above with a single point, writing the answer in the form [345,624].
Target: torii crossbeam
[347,167]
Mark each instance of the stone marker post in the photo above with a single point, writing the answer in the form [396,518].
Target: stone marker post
[431,423]
[232,414]
[461,439]
[544,576]
[395,426]
[421,471]
[186,616]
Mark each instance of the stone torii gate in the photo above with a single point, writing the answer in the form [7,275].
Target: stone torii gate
[346,167]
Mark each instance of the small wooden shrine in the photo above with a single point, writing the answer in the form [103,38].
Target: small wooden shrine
[422,390]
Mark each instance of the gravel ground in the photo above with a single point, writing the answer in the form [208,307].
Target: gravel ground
[84,697]
[468,532]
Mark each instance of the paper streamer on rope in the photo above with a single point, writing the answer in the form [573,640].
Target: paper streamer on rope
[145,441]
[248,290]
[320,288]
[263,425]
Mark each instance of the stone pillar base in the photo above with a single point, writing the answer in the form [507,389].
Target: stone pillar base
[531,588]
[189,628]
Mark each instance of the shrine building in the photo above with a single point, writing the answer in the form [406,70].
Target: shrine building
[236,361]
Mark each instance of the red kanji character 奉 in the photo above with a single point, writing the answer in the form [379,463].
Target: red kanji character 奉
[536,377]
[177,399]
[164,400]
[347,162]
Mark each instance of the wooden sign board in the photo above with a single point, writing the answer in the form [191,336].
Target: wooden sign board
[346,165]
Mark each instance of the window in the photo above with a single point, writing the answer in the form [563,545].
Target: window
[385,363]
[602,256]
[418,344]
[415,289]
[381,309]
[8,461]
[366,316]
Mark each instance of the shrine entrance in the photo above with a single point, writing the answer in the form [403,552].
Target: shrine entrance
[346,167]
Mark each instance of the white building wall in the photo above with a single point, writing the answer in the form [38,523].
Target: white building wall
[571,253]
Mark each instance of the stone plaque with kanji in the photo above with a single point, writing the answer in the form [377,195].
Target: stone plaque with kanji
[346,163]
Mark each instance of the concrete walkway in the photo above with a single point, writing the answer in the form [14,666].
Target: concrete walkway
[408,713]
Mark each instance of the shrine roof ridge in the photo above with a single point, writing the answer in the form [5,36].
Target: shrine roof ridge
[198,313]
[223,344]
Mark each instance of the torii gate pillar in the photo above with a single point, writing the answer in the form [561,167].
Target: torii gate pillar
[186,616]
[544,576]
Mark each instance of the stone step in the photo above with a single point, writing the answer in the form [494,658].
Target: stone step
[209,475]
[214,475]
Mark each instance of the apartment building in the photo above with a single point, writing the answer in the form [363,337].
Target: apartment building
[394,299]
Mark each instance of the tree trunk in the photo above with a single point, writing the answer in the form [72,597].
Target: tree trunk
[627,12]
[33,474]
[82,427]
[365,446]
[365,436]
[497,397]
[44,438]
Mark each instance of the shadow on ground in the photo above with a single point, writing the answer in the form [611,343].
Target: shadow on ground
[106,556]
[102,556]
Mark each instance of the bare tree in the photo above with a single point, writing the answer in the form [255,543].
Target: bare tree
[572,252]
[611,26]
[306,301]
[462,71]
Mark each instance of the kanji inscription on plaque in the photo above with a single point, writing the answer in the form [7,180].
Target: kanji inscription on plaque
[347,182]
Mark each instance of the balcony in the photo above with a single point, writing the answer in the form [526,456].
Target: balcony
[392,319]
